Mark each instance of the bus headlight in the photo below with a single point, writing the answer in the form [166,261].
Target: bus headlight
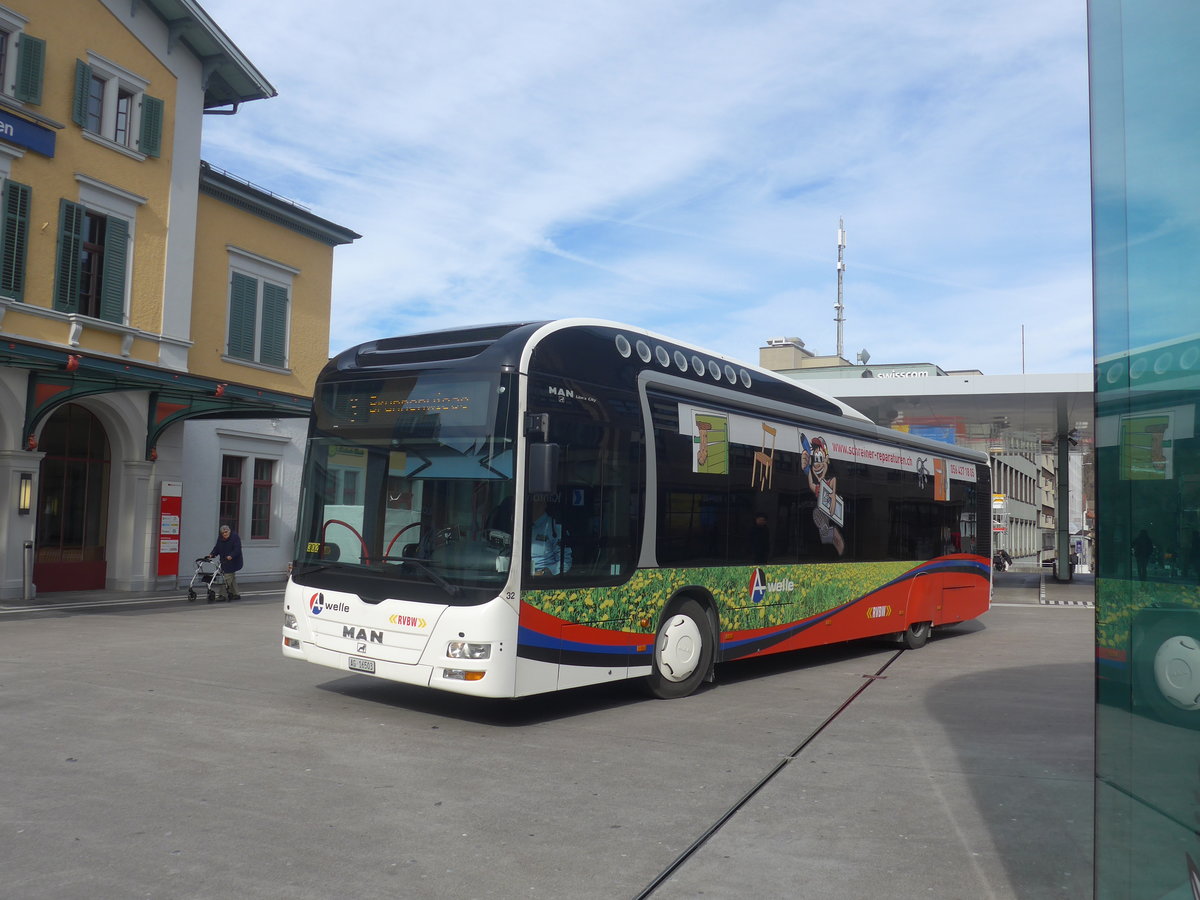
[289,621]
[467,650]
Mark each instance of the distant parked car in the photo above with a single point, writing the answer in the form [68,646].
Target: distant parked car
[1072,561]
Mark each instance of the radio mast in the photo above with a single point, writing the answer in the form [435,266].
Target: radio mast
[840,318]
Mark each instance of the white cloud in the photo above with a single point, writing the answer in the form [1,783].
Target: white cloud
[683,165]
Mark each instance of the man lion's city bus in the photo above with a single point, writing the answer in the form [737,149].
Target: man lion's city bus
[513,509]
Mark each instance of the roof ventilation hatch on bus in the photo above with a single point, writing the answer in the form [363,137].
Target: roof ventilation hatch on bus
[460,343]
[369,356]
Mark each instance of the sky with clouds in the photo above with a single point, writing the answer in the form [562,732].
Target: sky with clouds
[681,165]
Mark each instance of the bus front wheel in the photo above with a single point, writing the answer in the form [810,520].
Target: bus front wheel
[683,652]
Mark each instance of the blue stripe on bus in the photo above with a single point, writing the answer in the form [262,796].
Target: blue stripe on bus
[529,638]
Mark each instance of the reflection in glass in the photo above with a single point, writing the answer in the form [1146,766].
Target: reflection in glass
[1145,177]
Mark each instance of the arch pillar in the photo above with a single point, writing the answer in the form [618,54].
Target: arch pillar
[15,528]
[132,550]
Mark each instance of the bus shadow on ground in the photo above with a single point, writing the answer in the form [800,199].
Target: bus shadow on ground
[541,708]
[875,650]
[513,713]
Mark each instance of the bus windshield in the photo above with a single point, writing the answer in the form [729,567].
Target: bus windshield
[410,478]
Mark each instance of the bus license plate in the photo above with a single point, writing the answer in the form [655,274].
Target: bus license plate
[362,665]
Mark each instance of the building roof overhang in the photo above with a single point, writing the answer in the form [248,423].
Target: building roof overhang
[1038,405]
[232,190]
[58,376]
[229,77]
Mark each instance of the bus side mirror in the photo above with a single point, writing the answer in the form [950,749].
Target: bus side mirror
[543,468]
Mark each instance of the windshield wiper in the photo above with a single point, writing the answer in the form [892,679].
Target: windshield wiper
[451,589]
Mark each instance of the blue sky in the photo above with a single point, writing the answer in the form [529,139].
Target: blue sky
[682,166]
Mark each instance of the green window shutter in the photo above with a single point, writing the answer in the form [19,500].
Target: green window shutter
[243,301]
[152,126]
[273,345]
[31,64]
[70,241]
[116,264]
[14,239]
[83,81]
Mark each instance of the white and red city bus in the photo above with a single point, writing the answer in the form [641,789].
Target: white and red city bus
[514,509]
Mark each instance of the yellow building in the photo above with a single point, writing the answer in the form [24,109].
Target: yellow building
[143,294]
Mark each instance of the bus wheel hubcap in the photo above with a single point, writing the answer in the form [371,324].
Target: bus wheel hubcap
[1177,671]
[679,645]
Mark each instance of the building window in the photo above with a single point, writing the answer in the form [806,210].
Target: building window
[260,504]
[22,59]
[258,320]
[93,263]
[253,517]
[111,103]
[94,117]
[124,111]
[342,486]
[229,507]
[350,487]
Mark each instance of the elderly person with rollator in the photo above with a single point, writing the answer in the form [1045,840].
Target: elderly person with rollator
[228,549]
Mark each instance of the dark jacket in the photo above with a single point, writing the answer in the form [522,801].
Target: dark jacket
[227,547]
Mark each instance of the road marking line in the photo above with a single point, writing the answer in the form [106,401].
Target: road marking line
[120,601]
[1077,604]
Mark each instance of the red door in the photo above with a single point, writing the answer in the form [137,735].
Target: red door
[72,503]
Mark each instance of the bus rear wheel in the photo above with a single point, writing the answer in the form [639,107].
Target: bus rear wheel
[683,652]
[915,635]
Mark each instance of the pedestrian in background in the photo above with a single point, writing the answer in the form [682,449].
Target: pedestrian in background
[228,549]
[1143,546]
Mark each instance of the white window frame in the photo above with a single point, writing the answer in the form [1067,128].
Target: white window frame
[262,270]
[273,506]
[115,78]
[14,24]
[107,200]
[250,447]
[7,155]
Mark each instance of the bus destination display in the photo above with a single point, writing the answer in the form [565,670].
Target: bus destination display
[385,403]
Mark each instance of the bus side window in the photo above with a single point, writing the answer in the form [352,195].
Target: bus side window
[596,501]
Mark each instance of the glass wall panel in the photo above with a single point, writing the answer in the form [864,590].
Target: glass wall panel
[1145,72]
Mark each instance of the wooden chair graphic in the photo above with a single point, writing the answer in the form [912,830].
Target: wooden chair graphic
[764,460]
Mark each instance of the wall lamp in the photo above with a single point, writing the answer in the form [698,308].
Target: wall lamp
[25,494]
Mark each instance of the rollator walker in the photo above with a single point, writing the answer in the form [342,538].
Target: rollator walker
[210,574]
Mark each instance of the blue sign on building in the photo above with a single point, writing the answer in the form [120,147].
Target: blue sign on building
[27,134]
